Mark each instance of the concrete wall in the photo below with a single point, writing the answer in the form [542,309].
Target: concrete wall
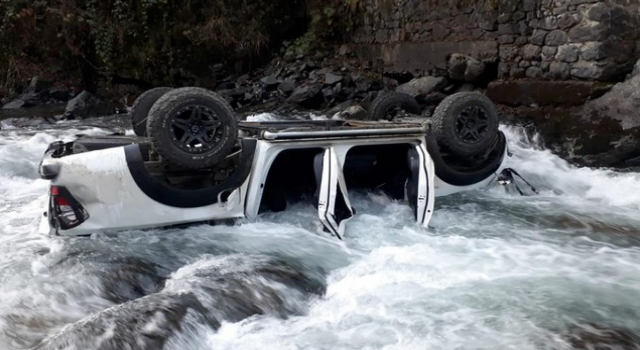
[539,39]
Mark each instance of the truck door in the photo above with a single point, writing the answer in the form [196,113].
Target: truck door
[334,207]
[420,184]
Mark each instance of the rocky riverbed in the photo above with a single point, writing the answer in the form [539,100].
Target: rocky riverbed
[586,123]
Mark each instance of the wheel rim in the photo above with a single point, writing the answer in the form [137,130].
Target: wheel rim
[195,129]
[472,124]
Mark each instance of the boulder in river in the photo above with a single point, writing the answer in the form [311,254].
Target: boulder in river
[592,336]
[142,324]
[207,292]
[621,103]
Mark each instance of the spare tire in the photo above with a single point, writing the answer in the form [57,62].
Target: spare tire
[142,106]
[391,105]
[192,127]
[465,124]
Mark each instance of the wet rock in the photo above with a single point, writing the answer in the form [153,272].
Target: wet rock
[87,105]
[235,287]
[144,324]
[234,94]
[456,66]
[287,86]
[356,112]
[206,292]
[422,86]
[622,103]
[331,79]
[434,98]
[365,84]
[131,278]
[333,111]
[463,67]
[29,122]
[328,93]
[308,96]
[270,80]
[15,104]
[475,70]
[592,336]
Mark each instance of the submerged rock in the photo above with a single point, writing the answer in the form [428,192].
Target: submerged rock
[131,278]
[141,324]
[206,292]
[596,337]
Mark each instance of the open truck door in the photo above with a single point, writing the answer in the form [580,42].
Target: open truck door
[334,207]
[420,191]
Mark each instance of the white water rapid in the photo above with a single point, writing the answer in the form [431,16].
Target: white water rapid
[496,271]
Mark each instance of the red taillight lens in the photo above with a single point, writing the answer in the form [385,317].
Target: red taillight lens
[60,201]
[55,191]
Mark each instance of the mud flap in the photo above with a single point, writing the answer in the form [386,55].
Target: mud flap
[334,207]
[420,184]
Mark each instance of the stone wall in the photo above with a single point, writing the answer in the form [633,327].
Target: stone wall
[538,39]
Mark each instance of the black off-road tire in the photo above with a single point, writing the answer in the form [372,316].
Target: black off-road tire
[465,124]
[184,110]
[142,106]
[388,104]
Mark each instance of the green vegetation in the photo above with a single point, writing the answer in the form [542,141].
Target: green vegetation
[151,41]
[329,21]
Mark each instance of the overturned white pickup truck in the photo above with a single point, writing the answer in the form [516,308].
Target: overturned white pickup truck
[194,162]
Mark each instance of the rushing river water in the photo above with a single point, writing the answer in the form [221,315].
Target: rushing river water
[560,270]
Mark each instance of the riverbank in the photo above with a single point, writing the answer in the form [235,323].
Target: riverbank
[582,126]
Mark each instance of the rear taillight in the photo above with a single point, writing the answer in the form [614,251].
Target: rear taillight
[66,211]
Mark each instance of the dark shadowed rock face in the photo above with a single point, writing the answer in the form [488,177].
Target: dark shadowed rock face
[544,92]
[581,140]
[622,103]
